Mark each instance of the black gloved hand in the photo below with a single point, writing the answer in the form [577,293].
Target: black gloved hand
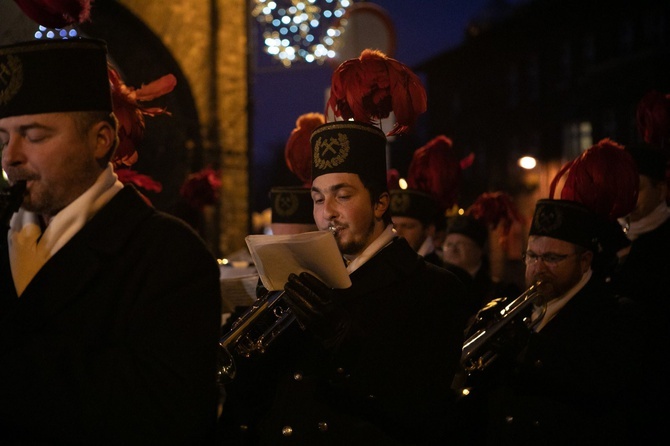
[316,309]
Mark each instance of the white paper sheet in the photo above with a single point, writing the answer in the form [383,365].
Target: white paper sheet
[316,252]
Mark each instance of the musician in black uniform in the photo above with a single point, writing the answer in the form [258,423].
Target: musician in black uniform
[645,272]
[375,361]
[419,210]
[414,213]
[109,309]
[575,378]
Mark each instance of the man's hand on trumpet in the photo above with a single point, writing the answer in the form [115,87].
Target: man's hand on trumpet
[316,310]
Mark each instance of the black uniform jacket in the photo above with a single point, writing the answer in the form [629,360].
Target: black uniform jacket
[114,341]
[581,380]
[645,272]
[387,383]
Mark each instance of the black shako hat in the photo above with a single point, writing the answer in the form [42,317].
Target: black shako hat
[414,204]
[291,204]
[350,147]
[566,220]
[470,227]
[54,76]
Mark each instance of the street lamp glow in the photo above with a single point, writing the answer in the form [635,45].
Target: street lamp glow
[527,162]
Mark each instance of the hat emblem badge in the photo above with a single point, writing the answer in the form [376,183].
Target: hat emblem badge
[11,78]
[286,204]
[548,219]
[400,202]
[331,152]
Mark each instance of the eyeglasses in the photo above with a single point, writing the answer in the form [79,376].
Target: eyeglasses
[551,259]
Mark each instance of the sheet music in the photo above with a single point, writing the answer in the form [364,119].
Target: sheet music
[316,252]
[238,287]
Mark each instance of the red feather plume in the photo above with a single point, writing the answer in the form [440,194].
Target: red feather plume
[653,119]
[436,170]
[56,13]
[126,103]
[604,178]
[201,188]
[127,176]
[298,150]
[494,209]
[370,87]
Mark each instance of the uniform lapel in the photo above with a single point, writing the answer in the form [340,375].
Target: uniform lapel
[389,265]
[72,268]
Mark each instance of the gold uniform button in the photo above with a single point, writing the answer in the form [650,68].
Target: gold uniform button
[297,376]
[244,427]
[323,426]
[287,431]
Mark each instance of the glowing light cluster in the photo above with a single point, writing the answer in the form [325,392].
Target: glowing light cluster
[304,30]
[55,33]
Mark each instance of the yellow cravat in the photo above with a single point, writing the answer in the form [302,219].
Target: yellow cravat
[25,255]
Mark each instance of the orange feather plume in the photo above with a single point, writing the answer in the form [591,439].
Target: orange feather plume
[372,86]
[298,151]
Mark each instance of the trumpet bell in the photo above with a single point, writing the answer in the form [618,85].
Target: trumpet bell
[499,327]
[227,370]
[253,332]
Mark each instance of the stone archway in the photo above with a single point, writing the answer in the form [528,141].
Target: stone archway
[204,44]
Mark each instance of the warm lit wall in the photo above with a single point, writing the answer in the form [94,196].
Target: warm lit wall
[220,90]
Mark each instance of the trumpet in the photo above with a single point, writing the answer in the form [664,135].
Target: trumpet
[253,332]
[256,329]
[483,346]
[10,201]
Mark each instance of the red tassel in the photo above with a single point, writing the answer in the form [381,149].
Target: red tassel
[126,103]
[604,178]
[436,170]
[298,151]
[56,13]
[372,86]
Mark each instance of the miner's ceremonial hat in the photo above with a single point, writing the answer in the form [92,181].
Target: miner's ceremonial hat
[54,76]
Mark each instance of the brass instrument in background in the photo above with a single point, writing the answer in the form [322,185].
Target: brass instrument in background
[484,345]
[10,201]
[253,332]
